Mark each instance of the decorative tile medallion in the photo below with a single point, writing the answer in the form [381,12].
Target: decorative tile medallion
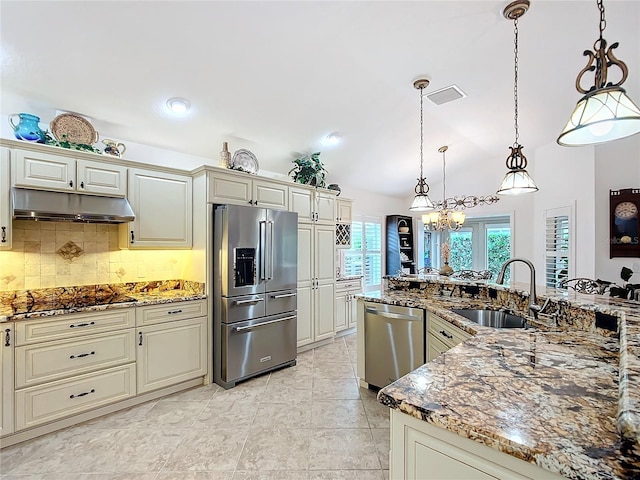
[69,251]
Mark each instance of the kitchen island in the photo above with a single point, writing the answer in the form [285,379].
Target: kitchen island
[559,399]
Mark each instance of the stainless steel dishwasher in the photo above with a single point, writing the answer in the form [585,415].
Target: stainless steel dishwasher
[393,342]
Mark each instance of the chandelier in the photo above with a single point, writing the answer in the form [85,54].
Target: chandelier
[421,202]
[449,213]
[517,180]
[605,112]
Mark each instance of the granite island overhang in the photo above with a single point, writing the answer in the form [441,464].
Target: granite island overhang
[563,395]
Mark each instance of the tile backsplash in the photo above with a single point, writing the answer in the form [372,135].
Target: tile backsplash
[58,254]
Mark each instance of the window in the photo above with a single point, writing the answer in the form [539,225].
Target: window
[365,255]
[481,244]
[558,246]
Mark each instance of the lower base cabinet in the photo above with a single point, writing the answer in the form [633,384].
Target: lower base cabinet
[442,335]
[346,313]
[57,370]
[420,450]
[170,353]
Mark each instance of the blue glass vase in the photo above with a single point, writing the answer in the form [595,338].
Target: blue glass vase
[25,127]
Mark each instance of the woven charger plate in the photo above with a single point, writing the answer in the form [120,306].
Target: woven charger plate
[73,128]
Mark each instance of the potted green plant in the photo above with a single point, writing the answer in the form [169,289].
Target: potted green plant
[309,170]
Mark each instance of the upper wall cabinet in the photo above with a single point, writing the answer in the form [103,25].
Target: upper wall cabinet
[241,189]
[343,210]
[5,200]
[312,205]
[53,172]
[163,206]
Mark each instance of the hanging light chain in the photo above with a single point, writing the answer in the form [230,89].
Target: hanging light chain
[515,80]
[420,89]
[444,176]
[603,22]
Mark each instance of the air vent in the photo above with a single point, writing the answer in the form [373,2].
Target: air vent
[446,95]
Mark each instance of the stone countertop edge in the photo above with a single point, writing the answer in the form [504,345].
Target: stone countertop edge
[628,414]
[348,277]
[142,299]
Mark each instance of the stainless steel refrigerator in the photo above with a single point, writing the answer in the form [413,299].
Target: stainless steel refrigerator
[255,269]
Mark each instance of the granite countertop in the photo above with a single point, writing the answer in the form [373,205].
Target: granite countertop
[30,304]
[549,395]
[344,278]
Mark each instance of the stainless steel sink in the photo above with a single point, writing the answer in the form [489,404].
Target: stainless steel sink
[492,318]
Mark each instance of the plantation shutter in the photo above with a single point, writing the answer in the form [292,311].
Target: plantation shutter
[558,246]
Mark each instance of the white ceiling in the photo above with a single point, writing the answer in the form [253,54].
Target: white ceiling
[276,77]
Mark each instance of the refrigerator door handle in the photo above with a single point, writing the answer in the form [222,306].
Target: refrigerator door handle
[284,295]
[252,300]
[270,249]
[262,250]
[250,327]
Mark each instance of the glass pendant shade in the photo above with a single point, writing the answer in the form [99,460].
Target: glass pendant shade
[517,181]
[421,203]
[604,115]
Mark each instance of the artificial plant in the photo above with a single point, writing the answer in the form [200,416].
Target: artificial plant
[309,170]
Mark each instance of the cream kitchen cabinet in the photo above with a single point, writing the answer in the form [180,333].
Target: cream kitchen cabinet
[346,315]
[163,205]
[343,210]
[316,283]
[442,335]
[313,205]
[241,189]
[6,378]
[5,200]
[71,364]
[172,344]
[421,450]
[46,171]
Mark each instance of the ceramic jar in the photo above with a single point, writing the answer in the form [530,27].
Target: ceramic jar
[25,127]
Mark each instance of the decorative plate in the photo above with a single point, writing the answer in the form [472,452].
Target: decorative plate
[73,128]
[244,161]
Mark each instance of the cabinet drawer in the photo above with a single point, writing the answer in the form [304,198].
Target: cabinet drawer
[167,312]
[73,325]
[45,362]
[348,285]
[51,401]
[447,333]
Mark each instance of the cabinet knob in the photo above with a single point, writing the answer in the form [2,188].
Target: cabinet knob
[81,184]
[250,202]
[71,183]
[140,338]
[133,238]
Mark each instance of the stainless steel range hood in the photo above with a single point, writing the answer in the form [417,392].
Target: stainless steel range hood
[69,207]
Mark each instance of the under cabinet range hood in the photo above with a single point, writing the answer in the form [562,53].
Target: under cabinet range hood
[69,207]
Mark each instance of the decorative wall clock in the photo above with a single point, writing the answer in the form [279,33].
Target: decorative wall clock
[624,223]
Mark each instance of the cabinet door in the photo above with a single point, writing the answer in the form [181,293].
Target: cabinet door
[434,347]
[171,353]
[352,307]
[305,315]
[270,195]
[325,208]
[324,298]
[343,211]
[229,189]
[306,257]
[5,200]
[6,379]
[101,178]
[300,201]
[324,262]
[42,170]
[342,309]
[162,203]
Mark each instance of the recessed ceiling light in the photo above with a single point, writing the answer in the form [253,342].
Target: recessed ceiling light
[178,105]
[332,139]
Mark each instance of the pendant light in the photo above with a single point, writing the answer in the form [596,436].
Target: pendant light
[605,112]
[517,180]
[421,202]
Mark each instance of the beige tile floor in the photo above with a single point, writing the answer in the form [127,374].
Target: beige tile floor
[308,422]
